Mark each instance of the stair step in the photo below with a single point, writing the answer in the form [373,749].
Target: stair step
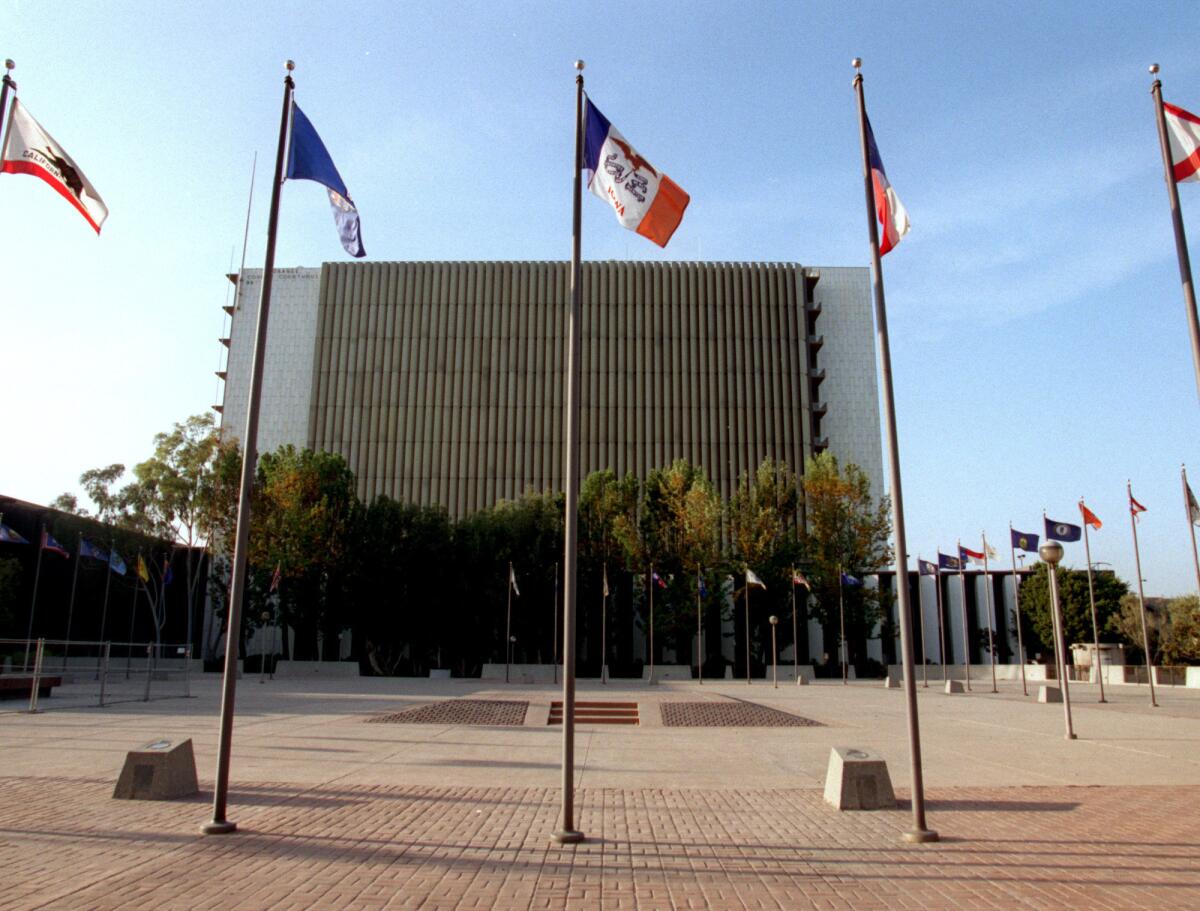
[597,712]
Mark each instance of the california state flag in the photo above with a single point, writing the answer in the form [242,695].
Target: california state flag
[1183,132]
[28,149]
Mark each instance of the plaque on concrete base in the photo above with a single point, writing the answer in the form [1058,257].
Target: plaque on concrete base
[890,682]
[1049,694]
[161,770]
[953,686]
[858,780]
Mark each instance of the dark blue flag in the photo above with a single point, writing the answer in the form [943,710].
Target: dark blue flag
[88,549]
[850,580]
[1022,540]
[308,159]
[927,568]
[945,561]
[1063,531]
[703,588]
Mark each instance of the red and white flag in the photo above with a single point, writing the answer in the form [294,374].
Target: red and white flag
[28,149]
[1183,133]
[1134,506]
[893,217]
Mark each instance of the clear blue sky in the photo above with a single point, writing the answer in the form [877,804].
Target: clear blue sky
[1037,320]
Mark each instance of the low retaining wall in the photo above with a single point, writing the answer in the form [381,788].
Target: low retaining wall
[521,673]
[316,668]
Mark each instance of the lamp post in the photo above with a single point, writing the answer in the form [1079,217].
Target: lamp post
[1052,552]
[774,653]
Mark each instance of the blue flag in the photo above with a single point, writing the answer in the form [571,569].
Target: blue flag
[308,159]
[1024,541]
[1063,531]
[115,563]
[945,561]
[9,536]
[703,588]
[927,568]
[88,549]
[850,580]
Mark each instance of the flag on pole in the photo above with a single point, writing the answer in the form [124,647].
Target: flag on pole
[512,580]
[798,578]
[1134,506]
[1023,540]
[1183,133]
[1062,531]
[644,200]
[308,159]
[945,561]
[658,580]
[115,563]
[851,581]
[1192,505]
[275,577]
[703,588]
[9,536]
[988,549]
[1089,517]
[168,575]
[48,543]
[965,553]
[926,568]
[29,149]
[752,579]
[893,218]
[606,581]
[88,549]
[142,571]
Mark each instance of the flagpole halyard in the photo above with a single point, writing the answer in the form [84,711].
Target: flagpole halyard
[219,823]
[566,832]
[919,832]
[1181,249]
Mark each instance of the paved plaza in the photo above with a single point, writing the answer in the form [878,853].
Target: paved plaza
[343,803]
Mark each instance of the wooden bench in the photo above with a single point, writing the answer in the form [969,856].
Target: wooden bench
[21,687]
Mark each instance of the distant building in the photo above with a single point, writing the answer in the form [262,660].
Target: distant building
[442,383]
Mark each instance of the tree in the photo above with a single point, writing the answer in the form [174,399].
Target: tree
[846,531]
[607,506]
[1172,626]
[1036,623]
[306,516]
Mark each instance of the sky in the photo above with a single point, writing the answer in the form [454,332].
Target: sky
[1037,324]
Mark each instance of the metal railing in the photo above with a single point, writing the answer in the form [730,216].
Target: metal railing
[83,674]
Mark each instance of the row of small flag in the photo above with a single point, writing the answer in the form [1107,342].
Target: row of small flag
[87,549]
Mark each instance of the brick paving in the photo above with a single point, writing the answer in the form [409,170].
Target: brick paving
[729,715]
[494,712]
[366,847]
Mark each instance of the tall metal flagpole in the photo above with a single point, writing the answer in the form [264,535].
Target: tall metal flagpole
[71,603]
[604,630]
[566,832]
[795,634]
[937,581]
[921,611]
[1087,550]
[1017,609]
[112,549]
[747,626]
[699,631]
[651,679]
[5,84]
[987,591]
[1137,556]
[554,626]
[1181,250]
[962,593]
[508,623]
[37,576]
[842,622]
[1187,508]
[237,588]
[918,832]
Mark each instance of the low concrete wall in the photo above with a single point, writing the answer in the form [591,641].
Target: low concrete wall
[978,672]
[1193,678]
[788,673]
[521,673]
[669,672]
[313,668]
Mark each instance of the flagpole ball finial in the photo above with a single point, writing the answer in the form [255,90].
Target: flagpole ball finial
[1154,69]
[289,65]
[579,64]
[9,65]
[856,63]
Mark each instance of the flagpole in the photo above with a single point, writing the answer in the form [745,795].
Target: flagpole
[918,832]
[1017,609]
[962,593]
[747,626]
[7,83]
[937,581]
[651,678]
[987,591]
[71,604]
[132,617]
[842,623]
[37,575]
[795,633]
[1087,550]
[566,832]
[508,623]
[699,632]
[1137,556]
[604,629]
[112,544]
[921,610]
[219,823]
[1187,506]
[554,626]
[1181,249]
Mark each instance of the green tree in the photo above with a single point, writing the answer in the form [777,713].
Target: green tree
[306,519]
[847,531]
[1036,624]
[1172,626]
